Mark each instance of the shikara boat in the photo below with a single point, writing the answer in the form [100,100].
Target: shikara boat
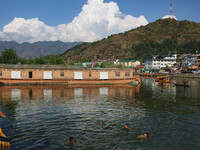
[176,84]
[162,79]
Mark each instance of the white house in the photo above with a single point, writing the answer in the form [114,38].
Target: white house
[116,61]
[158,62]
[137,63]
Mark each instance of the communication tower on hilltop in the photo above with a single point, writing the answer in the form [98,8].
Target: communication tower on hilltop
[171,12]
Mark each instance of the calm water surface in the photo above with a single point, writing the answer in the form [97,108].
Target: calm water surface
[44,117]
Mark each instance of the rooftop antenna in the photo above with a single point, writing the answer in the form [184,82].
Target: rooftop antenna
[171,12]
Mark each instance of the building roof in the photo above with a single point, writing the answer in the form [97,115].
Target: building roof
[160,57]
[128,60]
[50,67]
[20,66]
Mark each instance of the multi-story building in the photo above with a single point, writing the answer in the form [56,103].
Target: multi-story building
[192,59]
[158,61]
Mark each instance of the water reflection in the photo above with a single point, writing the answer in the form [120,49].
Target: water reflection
[38,114]
[161,91]
[15,93]
[44,117]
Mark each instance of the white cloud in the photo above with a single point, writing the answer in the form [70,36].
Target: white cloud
[96,21]
[169,16]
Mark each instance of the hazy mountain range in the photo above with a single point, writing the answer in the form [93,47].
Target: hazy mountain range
[32,50]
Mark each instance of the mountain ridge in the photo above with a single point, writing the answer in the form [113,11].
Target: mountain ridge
[172,35]
[36,49]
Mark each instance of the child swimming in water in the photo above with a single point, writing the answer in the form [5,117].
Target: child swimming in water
[71,141]
[143,136]
[126,127]
[101,123]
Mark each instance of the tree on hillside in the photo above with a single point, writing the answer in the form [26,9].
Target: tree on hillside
[56,60]
[9,56]
[40,60]
[119,66]
[31,61]
[23,61]
[96,65]
[52,60]
[104,65]
[111,65]
[170,45]
[71,63]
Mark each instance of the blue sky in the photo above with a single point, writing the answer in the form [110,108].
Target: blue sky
[56,12]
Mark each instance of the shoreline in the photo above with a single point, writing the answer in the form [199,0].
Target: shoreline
[186,75]
[181,75]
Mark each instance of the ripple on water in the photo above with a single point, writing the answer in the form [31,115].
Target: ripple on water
[171,121]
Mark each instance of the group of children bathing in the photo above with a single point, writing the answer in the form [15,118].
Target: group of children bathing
[126,127]
[71,139]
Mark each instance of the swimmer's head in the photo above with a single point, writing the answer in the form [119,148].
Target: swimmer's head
[71,140]
[101,123]
[126,126]
[146,135]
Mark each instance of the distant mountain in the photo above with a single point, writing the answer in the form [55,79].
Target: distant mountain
[32,50]
[163,36]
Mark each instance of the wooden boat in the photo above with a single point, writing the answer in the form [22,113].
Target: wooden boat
[176,84]
[56,74]
[144,74]
[4,141]
[162,79]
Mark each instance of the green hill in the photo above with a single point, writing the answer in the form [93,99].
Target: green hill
[160,37]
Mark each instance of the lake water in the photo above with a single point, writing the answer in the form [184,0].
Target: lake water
[44,117]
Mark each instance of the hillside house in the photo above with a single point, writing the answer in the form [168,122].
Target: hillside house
[127,63]
[158,61]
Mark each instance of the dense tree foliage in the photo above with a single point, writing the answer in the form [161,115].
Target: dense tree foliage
[9,56]
[31,61]
[56,60]
[104,65]
[169,46]
[119,66]
[40,60]
[23,61]
[96,65]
